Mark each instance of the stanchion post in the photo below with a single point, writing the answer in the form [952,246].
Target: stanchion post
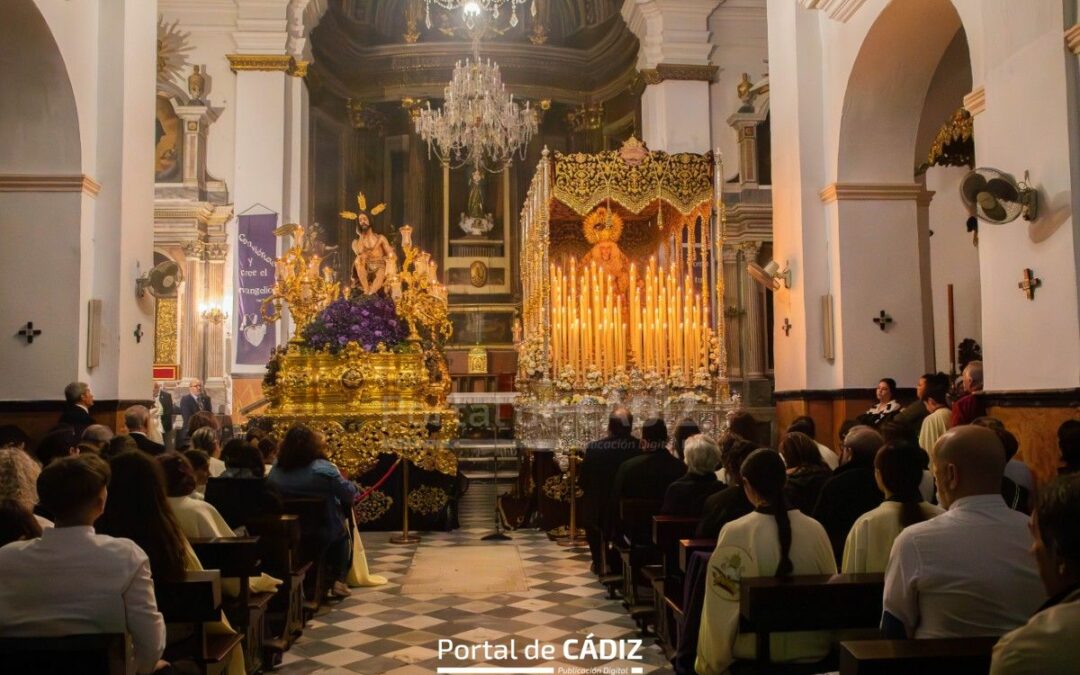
[405,537]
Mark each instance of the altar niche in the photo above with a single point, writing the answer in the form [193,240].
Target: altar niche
[476,236]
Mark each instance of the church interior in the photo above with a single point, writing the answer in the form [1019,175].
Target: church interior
[540,336]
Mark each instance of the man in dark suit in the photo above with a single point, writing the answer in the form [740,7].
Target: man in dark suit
[194,401]
[646,476]
[78,399]
[598,469]
[135,419]
[852,490]
[168,412]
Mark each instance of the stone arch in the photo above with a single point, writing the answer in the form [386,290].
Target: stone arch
[886,89]
[38,108]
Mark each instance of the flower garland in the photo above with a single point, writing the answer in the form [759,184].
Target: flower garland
[367,320]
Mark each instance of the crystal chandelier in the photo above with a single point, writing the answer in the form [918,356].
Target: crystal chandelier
[472,9]
[479,123]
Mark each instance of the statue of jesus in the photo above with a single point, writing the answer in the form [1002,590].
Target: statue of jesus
[375,263]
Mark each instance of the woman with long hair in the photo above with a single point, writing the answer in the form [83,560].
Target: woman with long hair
[806,470]
[898,470]
[137,509]
[774,540]
[303,470]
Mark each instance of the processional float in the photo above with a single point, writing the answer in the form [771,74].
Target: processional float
[365,364]
[622,292]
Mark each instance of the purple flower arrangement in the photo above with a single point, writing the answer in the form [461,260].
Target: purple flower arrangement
[365,319]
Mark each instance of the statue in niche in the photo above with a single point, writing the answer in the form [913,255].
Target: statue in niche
[376,263]
[603,228]
[474,221]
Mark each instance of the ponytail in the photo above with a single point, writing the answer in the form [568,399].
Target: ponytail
[764,471]
[900,465]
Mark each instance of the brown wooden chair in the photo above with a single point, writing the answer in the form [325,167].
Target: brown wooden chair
[90,654]
[666,534]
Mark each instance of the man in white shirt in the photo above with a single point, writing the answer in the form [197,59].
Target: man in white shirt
[73,581]
[967,572]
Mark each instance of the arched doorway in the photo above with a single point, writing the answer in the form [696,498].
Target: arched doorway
[912,64]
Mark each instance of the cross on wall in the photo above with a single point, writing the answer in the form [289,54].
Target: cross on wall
[29,332]
[1029,283]
[882,320]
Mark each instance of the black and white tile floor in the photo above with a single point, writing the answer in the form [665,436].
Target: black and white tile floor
[379,630]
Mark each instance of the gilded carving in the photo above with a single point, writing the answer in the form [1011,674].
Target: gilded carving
[427,500]
[678,71]
[165,330]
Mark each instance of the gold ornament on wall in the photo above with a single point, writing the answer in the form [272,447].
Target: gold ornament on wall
[478,274]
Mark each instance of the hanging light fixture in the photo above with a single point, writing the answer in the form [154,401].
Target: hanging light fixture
[473,8]
[479,123]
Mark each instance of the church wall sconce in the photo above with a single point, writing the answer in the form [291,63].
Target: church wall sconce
[1028,283]
[212,313]
[770,275]
[882,320]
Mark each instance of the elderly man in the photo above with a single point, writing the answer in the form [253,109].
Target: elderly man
[136,419]
[78,398]
[969,406]
[96,435]
[967,572]
[194,401]
[852,490]
[686,496]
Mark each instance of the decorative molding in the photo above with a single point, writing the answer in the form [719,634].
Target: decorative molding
[1072,38]
[679,71]
[272,63]
[975,102]
[840,10]
[853,394]
[1047,398]
[49,183]
[836,192]
[925,197]
[670,31]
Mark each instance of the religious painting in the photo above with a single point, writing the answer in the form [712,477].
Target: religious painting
[168,135]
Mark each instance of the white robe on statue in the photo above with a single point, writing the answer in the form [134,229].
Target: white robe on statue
[750,547]
[871,537]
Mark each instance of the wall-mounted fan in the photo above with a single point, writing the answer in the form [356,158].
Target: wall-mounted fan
[161,282]
[770,276]
[997,197]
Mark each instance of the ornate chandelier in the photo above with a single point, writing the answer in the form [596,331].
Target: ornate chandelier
[472,9]
[479,123]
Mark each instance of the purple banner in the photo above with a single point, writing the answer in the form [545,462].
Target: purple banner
[255,251]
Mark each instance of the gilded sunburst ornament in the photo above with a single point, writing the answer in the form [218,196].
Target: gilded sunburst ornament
[172,50]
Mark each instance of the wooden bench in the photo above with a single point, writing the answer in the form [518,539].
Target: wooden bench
[279,550]
[667,531]
[952,656]
[238,558]
[238,500]
[91,654]
[807,603]
[636,551]
[195,602]
[311,512]
[688,547]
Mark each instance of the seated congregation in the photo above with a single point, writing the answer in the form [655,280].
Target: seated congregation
[921,545]
[208,559]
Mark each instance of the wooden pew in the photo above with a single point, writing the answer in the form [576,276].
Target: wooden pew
[238,500]
[311,512]
[636,551]
[688,547]
[807,603]
[91,654]
[279,550]
[195,602]
[952,656]
[667,531]
[238,558]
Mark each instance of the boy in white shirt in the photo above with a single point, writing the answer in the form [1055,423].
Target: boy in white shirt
[73,581]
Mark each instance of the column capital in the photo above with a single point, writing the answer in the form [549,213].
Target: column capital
[672,32]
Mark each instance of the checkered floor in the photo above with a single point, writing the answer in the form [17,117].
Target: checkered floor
[379,630]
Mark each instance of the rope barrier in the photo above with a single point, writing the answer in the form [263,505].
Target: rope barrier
[377,484]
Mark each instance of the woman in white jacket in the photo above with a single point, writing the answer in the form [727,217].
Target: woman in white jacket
[772,541]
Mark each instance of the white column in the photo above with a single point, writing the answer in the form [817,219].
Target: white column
[674,62]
